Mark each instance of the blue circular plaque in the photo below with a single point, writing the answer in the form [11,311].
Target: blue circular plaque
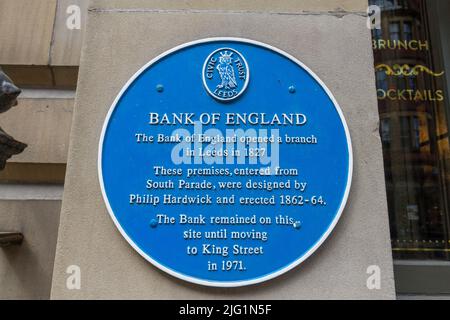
[219,178]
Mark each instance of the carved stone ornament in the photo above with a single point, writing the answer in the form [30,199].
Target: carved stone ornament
[8,99]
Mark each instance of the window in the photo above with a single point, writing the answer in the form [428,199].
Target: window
[381,80]
[410,133]
[377,34]
[400,31]
[393,4]
[394,31]
[412,82]
[407,31]
[385,127]
[414,131]
[407,82]
[401,82]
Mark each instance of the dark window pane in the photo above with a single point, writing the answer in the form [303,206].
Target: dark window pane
[414,107]
[407,31]
[394,31]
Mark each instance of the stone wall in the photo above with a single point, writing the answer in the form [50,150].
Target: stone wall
[330,37]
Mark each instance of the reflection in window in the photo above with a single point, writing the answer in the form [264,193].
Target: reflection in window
[381,80]
[385,127]
[407,31]
[401,82]
[406,82]
[415,130]
[412,82]
[391,4]
[394,31]
[414,126]
[377,34]
[410,133]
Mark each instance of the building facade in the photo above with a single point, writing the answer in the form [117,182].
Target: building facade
[41,46]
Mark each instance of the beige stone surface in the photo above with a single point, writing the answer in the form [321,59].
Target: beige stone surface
[26,270]
[26,28]
[120,42]
[43,124]
[237,5]
[66,47]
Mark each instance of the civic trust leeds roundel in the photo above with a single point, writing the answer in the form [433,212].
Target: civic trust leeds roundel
[225,162]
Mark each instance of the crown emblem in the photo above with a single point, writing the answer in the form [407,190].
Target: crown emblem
[225,54]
